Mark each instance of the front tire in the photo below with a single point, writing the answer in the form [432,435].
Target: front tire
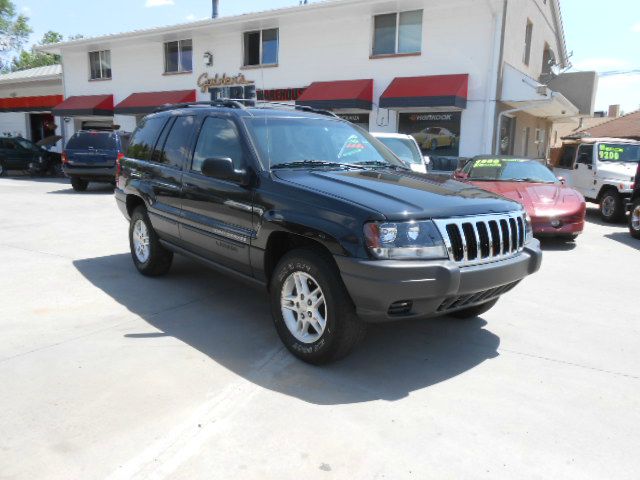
[79,185]
[476,311]
[312,311]
[634,220]
[611,206]
[149,256]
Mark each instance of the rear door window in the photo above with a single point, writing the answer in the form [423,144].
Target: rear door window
[145,137]
[177,148]
[92,141]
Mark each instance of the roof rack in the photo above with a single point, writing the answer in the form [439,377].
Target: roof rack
[223,102]
[239,103]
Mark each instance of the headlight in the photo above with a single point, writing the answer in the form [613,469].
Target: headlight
[528,228]
[405,240]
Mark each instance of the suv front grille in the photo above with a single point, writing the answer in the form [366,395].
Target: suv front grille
[483,238]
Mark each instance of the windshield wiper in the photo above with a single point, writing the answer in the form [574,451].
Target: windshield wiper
[378,163]
[316,163]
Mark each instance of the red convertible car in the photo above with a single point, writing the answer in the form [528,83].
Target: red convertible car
[555,209]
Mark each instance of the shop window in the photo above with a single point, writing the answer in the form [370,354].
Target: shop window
[261,47]
[397,33]
[178,56]
[437,133]
[528,35]
[100,65]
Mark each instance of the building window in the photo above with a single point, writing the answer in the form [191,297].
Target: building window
[527,43]
[397,33]
[261,47]
[178,56]
[100,65]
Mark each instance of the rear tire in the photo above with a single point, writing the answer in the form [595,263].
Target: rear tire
[149,256]
[307,281]
[79,185]
[611,206]
[476,311]
[634,219]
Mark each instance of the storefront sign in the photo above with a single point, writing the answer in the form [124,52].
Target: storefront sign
[437,133]
[360,119]
[207,83]
[280,94]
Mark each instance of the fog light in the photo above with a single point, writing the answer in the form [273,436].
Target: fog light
[555,223]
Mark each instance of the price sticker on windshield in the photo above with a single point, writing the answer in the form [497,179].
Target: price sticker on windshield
[609,152]
[488,163]
[352,146]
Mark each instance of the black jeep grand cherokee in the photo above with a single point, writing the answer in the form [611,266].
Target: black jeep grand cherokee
[338,229]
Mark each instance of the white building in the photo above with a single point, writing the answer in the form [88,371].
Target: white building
[465,76]
[26,102]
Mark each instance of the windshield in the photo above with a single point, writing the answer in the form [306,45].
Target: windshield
[404,148]
[27,144]
[92,140]
[288,141]
[510,170]
[618,152]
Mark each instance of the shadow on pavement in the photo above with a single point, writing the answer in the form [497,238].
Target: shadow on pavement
[625,238]
[27,177]
[593,216]
[92,189]
[557,244]
[230,323]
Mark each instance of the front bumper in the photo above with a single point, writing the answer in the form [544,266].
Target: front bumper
[95,174]
[432,287]
[565,229]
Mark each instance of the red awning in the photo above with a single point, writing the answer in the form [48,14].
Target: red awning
[146,102]
[432,91]
[29,104]
[340,94]
[85,105]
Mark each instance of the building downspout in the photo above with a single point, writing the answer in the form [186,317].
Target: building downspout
[500,73]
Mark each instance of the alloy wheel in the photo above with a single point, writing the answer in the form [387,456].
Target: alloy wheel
[303,307]
[635,218]
[141,241]
[608,206]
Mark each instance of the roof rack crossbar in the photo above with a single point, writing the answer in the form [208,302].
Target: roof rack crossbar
[239,103]
[223,102]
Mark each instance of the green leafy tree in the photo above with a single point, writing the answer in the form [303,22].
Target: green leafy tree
[14,32]
[31,58]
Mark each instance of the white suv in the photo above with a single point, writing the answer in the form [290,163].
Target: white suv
[603,170]
[406,148]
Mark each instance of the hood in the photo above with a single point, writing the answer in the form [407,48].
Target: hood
[537,197]
[399,195]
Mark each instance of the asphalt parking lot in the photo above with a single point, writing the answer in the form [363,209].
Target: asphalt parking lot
[106,374]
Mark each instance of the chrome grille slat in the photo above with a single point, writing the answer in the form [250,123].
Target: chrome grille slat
[466,238]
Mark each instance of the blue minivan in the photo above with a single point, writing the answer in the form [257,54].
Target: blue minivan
[91,156]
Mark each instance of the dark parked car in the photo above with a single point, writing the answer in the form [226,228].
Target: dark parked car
[634,206]
[445,166]
[17,153]
[90,156]
[338,229]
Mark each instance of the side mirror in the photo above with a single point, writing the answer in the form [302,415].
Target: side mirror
[221,168]
[562,180]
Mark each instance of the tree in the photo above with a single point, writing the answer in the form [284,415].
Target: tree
[31,58]
[14,31]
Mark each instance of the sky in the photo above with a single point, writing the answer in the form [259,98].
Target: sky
[603,36]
